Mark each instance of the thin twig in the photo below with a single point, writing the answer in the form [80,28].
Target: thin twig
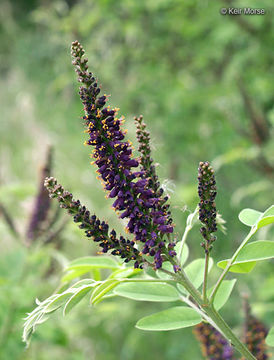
[9,221]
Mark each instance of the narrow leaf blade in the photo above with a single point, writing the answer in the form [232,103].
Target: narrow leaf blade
[102,290]
[249,255]
[223,293]
[148,292]
[171,319]
[125,273]
[73,274]
[91,262]
[76,298]
[269,211]
[59,301]
[265,221]
[241,268]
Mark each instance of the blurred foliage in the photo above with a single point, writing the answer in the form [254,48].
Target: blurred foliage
[204,83]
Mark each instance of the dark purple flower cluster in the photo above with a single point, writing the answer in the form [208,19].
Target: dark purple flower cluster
[255,333]
[146,161]
[134,198]
[42,202]
[98,230]
[207,207]
[214,346]
[148,167]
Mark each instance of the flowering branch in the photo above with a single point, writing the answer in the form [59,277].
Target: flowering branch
[143,206]
[138,198]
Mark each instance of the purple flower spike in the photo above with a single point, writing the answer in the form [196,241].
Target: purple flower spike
[94,228]
[138,193]
[255,333]
[213,344]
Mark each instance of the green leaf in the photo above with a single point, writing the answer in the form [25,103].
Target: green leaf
[267,218]
[192,218]
[171,319]
[76,298]
[84,282]
[151,272]
[185,253]
[223,293]
[166,266]
[257,250]
[269,211]
[195,272]
[102,290]
[265,221]
[32,320]
[96,274]
[58,301]
[125,273]
[73,274]
[69,298]
[270,337]
[241,268]
[250,217]
[143,291]
[246,260]
[93,262]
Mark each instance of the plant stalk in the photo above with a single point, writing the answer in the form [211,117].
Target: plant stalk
[214,315]
[205,276]
[230,263]
[182,243]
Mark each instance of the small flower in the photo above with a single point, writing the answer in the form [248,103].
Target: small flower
[213,344]
[136,197]
[94,228]
[207,207]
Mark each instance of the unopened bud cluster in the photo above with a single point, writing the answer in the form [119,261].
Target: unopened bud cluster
[207,207]
[144,149]
[148,167]
[254,336]
[98,230]
[214,346]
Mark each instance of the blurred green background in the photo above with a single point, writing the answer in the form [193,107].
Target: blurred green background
[204,83]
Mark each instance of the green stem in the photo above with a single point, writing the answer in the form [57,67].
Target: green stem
[199,311]
[205,276]
[214,315]
[230,263]
[189,225]
[182,243]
